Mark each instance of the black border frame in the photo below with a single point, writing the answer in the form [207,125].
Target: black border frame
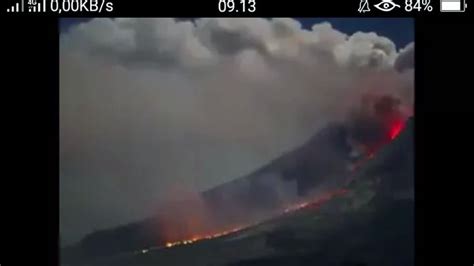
[30,203]
[443,142]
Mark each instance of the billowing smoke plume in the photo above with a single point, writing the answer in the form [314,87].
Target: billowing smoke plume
[146,104]
[406,58]
[376,121]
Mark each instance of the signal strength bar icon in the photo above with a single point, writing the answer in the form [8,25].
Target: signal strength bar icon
[16,7]
[36,7]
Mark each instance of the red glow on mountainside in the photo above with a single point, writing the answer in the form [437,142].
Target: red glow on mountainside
[395,129]
[311,203]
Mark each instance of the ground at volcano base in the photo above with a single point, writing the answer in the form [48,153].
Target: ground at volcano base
[357,228]
[371,223]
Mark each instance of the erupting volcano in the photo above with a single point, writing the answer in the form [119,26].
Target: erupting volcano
[301,182]
[309,203]
[319,164]
[377,121]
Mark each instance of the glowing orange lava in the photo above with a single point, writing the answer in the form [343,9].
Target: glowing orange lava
[310,203]
[199,238]
[394,130]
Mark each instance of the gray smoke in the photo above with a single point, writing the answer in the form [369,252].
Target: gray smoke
[149,104]
[406,58]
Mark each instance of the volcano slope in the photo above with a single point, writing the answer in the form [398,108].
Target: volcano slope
[371,223]
[318,165]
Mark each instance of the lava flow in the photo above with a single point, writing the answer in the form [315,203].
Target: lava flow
[316,203]
[205,237]
[393,131]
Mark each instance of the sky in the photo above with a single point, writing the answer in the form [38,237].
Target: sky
[151,108]
[400,30]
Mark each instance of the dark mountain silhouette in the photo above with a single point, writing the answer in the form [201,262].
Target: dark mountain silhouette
[321,163]
[372,226]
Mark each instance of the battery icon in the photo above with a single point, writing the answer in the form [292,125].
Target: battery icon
[453,5]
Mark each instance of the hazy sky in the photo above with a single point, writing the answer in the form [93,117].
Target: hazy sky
[150,107]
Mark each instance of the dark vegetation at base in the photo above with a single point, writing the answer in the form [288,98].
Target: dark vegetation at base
[130,237]
[383,237]
[378,233]
[325,154]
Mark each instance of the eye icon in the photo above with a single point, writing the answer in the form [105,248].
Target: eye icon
[386,5]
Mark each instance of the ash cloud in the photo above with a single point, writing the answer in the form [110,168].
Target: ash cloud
[146,104]
[370,122]
[406,58]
